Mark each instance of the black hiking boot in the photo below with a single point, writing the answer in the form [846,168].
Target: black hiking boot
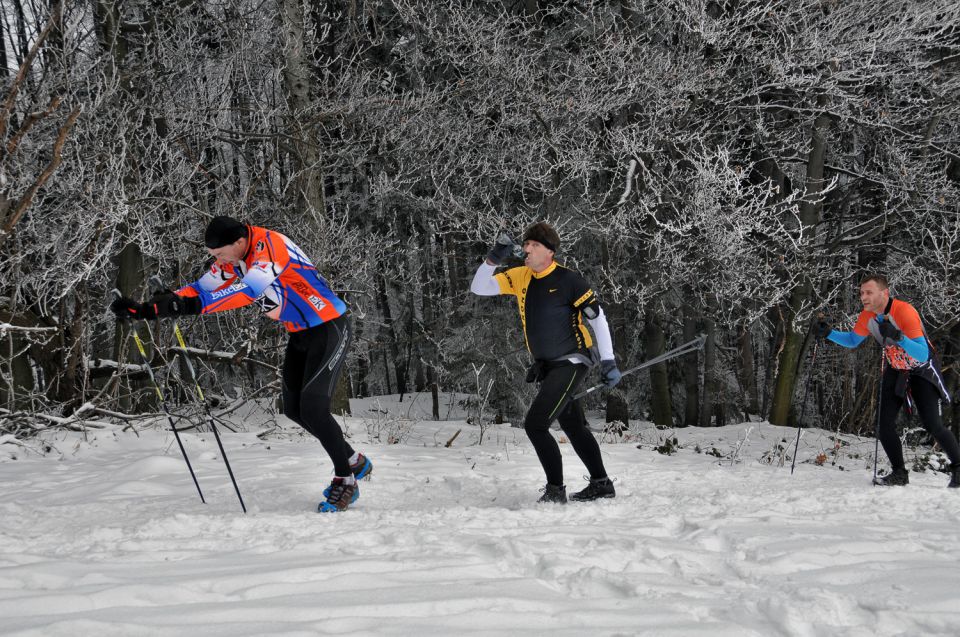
[554,494]
[954,476]
[599,488]
[896,478]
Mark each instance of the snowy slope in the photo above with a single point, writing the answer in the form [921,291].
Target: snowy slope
[106,536]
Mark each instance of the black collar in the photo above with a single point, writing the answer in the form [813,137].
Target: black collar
[249,245]
[886,310]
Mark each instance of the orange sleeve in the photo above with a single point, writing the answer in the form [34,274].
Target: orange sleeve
[907,319]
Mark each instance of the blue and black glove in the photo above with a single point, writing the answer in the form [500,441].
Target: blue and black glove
[609,374]
[503,248]
[890,333]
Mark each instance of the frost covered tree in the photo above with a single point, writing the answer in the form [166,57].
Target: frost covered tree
[720,167]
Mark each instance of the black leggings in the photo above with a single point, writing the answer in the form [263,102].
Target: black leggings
[311,367]
[927,401]
[553,402]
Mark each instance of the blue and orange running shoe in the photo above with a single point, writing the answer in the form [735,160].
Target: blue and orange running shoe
[340,495]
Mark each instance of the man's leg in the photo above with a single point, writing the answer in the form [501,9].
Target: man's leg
[890,405]
[574,425]
[556,388]
[294,359]
[927,399]
[324,360]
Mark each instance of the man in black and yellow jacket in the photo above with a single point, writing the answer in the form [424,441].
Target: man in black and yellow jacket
[553,302]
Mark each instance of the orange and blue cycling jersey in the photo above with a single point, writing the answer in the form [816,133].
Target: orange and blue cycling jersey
[911,354]
[274,273]
[912,351]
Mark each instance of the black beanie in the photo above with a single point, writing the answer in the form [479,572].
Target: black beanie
[543,233]
[222,231]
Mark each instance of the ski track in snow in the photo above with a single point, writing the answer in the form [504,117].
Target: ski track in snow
[108,537]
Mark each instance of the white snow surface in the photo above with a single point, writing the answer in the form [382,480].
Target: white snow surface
[104,534]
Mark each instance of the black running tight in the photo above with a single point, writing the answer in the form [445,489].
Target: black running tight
[926,398]
[553,402]
[311,367]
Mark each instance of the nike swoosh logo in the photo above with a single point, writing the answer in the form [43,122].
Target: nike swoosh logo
[553,290]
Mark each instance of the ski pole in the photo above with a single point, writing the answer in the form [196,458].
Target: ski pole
[686,348]
[163,400]
[158,284]
[876,431]
[803,407]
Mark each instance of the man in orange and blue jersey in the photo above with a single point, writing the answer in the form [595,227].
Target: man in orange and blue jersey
[256,265]
[911,373]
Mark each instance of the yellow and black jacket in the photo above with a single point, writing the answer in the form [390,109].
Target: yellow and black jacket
[551,306]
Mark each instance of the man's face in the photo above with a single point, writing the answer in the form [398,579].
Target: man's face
[230,253]
[873,297]
[539,256]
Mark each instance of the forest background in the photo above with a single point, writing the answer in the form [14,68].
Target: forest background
[731,168]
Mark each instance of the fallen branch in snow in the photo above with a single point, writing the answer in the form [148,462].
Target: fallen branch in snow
[275,385]
[452,438]
[229,358]
[28,419]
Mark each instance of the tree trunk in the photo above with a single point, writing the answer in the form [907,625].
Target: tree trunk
[709,374]
[809,217]
[340,401]
[362,387]
[300,88]
[15,392]
[748,376]
[617,409]
[691,371]
[660,402]
[389,338]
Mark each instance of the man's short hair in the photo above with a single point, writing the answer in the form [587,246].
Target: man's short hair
[880,280]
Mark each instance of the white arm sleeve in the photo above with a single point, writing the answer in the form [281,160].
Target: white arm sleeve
[483,282]
[602,331]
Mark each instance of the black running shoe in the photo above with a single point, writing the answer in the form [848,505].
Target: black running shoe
[896,478]
[554,494]
[600,488]
[954,476]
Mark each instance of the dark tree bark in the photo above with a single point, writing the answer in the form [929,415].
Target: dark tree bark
[691,371]
[809,217]
[660,402]
[748,376]
[709,374]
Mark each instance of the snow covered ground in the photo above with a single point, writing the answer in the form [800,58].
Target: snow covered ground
[106,536]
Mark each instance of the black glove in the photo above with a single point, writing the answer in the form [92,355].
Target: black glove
[127,309]
[165,304]
[891,335]
[609,374]
[503,248]
[822,329]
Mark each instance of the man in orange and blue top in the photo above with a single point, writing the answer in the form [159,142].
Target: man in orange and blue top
[256,265]
[911,373]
